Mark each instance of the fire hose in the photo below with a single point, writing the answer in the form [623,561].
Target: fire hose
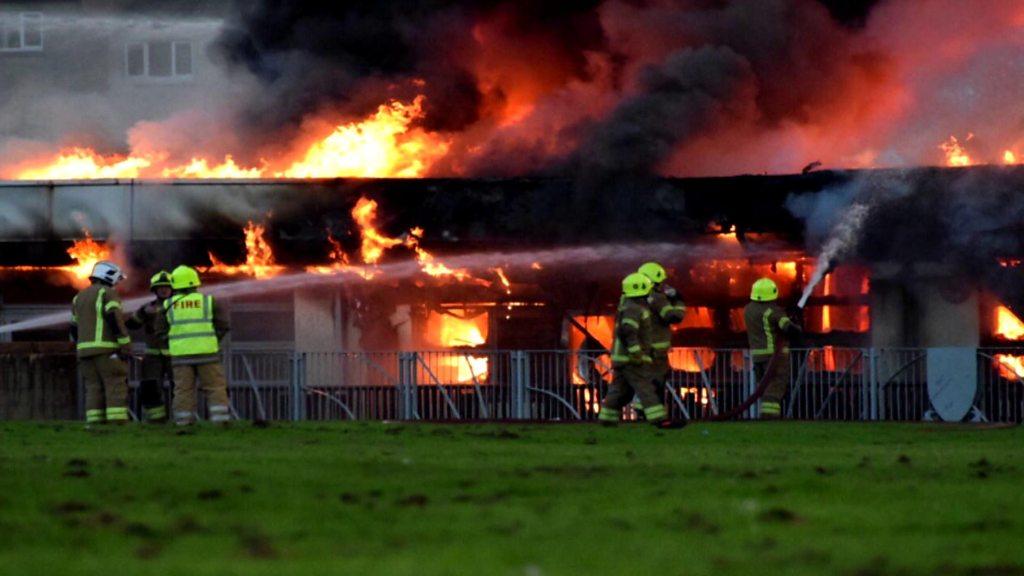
[754,397]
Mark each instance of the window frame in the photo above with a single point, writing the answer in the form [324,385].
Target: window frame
[146,77]
[19,21]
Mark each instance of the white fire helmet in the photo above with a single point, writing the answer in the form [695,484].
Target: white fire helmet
[107,272]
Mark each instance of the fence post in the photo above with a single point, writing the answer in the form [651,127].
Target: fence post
[297,385]
[520,365]
[751,382]
[407,386]
[873,396]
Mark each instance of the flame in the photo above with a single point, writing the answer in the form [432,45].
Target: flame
[259,257]
[1009,157]
[504,280]
[602,328]
[83,164]
[956,153]
[449,331]
[84,253]
[373,242]
[691,359]
[1008,325]
[1010,366]
[696,317]
[383,145]
[200,168]
[697,392]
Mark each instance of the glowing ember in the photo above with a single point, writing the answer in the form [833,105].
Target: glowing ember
[504,280]
[382,145]
[259,257]
[1009,157]
[956,153]
[1008,325]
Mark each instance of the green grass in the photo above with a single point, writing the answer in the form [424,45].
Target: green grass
[376,498]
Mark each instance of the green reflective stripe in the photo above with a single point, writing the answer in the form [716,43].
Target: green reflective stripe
[154,351]
[661,345]
[123,340]
[766,320]
[193,335]
[608,413]
[94,345]
[619,358]
[94,415]
[117,413]
[656,412]
[784,322]
[186,322]
[645,314]
[631,322]
[156,413]
[99,315]
[634,348]
[111,305]
[768,407]
[665,310]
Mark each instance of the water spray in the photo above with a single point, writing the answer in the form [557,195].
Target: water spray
[839,244]
[615,254]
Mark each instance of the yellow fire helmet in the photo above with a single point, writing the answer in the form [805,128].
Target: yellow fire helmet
[654,271]
[161,278]
[184,277]
[764,290]
[636,285]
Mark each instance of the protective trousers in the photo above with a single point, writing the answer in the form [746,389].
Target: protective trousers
[105,378]
[778,382]
[660,371]
[156,368]
[627,380]
[215,389]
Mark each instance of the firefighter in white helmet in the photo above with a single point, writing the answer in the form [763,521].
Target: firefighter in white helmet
[103,345]
[196,324]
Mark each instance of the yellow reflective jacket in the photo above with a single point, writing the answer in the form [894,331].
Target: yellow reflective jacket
[195,325]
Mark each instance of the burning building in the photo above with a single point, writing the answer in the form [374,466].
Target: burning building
[352,187]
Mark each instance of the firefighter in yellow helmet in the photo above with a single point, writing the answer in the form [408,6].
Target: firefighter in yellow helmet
[156,363]
[767,326]
[631,357]
[195,326]
[103,346]
[667,309]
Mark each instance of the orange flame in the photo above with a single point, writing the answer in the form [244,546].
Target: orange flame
[1009,157]
[383,145]
[956,153]
[259,257]
[1010,366]
[1008,325]
[448,331]
[691,359]
[86,253]
[374,243]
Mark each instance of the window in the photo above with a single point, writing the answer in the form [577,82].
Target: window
[159,59]
[21,32]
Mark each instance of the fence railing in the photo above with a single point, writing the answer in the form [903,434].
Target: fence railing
[825,384]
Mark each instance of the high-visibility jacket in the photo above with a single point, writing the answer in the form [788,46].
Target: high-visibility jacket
[96,316]
[765,323]
[632,333]
[665,312]
[152,319]
[195,326]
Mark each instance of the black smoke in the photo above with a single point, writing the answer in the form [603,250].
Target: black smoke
[310,55]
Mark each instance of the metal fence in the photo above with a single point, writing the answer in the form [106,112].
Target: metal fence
[825,384]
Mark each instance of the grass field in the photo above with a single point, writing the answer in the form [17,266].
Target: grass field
[379,498]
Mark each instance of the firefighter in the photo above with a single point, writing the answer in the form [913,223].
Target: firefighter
[103,345]
[667,309]
[631,357]
[195,326]
[156,364]
[767,326]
